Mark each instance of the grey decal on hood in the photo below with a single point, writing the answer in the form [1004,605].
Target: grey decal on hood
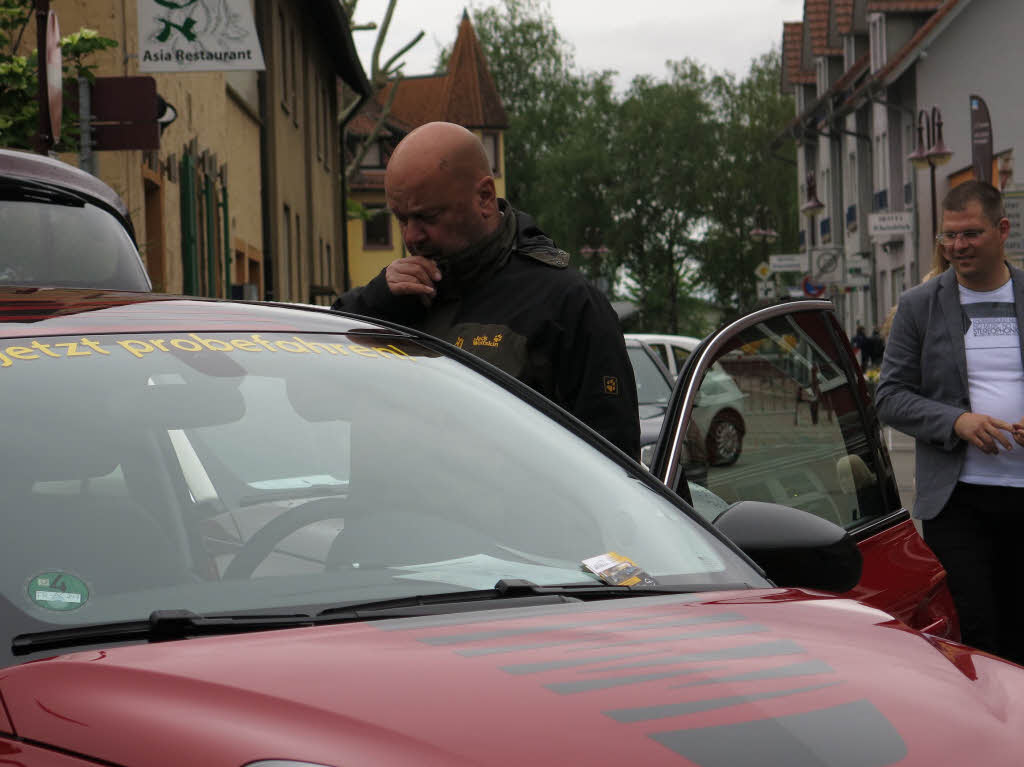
[782,672]
[590,685]
[648,713]
[849,735]
[479,636]
[597,639]
[555,665]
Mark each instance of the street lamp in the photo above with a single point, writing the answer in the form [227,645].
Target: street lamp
[929,125]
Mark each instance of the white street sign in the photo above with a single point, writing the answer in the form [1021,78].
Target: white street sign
[765,289]
[1014,203]
[885,224]
[763,271]
[197,36]
[857,280]
[855,262]
[788,262]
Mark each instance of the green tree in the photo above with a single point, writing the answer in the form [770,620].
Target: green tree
[19,75]
[663,147]
[557,148]
[749,184]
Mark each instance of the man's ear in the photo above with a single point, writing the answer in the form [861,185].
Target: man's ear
[1004,229]
[486,196]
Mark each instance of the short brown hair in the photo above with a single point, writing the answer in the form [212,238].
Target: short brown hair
[987,196]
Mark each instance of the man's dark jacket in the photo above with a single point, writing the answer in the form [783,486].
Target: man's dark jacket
[514,302]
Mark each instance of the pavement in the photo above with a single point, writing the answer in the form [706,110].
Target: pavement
[901,453]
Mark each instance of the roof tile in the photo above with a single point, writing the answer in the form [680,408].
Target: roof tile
[792,45]
[844,16]
[465,94]
[816,19]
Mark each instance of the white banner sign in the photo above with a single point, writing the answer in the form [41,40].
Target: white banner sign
[1014,202]
[884,224]
[197,36]
[788,262]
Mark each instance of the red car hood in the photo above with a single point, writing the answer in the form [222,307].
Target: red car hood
[770,677]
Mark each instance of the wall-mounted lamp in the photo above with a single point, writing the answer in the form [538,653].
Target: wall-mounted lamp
[929,125]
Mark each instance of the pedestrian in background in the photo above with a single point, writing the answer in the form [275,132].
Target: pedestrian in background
[482,276]
[953,377]
[875,348]
[860,343]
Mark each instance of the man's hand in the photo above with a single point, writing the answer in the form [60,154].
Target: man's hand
[1018,432]
[414,275]
[984,431]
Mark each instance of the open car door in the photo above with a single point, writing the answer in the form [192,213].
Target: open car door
[809,438]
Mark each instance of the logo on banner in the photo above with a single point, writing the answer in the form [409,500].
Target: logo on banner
[197,36]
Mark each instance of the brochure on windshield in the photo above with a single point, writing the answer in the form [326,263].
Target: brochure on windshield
[617,570]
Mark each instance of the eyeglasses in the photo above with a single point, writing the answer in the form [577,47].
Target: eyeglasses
[970,236]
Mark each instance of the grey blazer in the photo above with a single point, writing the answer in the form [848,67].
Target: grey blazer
[923,386]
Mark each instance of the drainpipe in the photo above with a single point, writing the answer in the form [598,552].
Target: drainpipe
[225,218]
[211,235]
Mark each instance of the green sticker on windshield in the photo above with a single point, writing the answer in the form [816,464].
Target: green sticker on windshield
[58,591]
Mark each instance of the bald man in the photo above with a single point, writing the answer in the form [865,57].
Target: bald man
[485,278]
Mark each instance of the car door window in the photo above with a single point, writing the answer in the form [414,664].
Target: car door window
[662,352]
[803,435]
[680,355]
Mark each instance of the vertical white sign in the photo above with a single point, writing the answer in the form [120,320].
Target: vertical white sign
[197,36]
[1014,202]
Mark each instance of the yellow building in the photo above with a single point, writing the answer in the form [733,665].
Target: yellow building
[243,196]
[464,94]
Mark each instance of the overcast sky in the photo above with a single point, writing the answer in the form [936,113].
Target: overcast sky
[632,37]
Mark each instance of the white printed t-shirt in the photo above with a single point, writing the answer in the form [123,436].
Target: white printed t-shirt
[995,378]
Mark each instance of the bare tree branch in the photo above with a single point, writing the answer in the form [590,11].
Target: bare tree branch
[353,167]
[387,68]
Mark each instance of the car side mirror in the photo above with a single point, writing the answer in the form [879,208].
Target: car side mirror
[793,547]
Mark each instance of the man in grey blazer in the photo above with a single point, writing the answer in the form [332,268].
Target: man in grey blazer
[953,377]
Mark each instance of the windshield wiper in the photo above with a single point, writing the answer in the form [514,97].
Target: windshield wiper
[162,625]
[509,589]
[167,625]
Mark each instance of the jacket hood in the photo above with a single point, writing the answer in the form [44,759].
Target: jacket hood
[779,677]
[532,242]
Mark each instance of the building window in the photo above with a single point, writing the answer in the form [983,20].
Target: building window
[876,33]
[285,269]
[374,157]
[492,145]
[283,63]
[849,52]
[329,130]
[318,122]
[296,61]
[377,228]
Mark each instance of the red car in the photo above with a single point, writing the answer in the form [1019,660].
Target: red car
[245,534]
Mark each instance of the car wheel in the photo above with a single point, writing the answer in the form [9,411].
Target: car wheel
[725,440]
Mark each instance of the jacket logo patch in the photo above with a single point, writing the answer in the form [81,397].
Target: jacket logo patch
[460,342]
[486,341]
[611,385]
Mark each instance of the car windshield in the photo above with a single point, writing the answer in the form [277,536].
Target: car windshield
[239,471]
[65,242]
